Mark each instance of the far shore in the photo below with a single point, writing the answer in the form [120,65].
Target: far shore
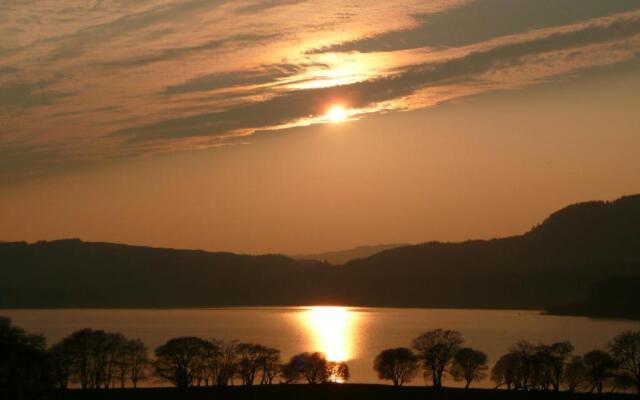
[556,311]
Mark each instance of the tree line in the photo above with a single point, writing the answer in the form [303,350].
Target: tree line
[95,359]
[526,366]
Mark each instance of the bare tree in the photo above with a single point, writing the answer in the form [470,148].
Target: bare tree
[560,354]
[600,368]
[469,365]
[575,375]
[251,357]
[93,357]
[508,371]
[436,349]
[312,367]
[133,362]
[270,365]
[625,349]
[179,360]
[398,365]
[226,365]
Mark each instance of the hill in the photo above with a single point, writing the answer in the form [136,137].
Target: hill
[344,256]
[557,263]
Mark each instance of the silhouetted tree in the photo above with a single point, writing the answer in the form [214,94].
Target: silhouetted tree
[575,375]
[469,365]
[269,365]
[338,371]
[89,357]
[289,373]
[560,353]
[436,349]
[625,349]
[133,362]
[541,368]
[179,361]
[507,371]
[250,360]
[524,353]
[600,368]
[312,367]
[399,365]
[62,365]
[225,365]
[23,362]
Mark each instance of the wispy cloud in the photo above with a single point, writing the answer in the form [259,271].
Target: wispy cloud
[143,76]
[469,67]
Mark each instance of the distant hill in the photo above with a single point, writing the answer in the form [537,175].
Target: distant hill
[557,263]
[343,256]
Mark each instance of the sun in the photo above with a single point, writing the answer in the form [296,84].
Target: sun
[336,113]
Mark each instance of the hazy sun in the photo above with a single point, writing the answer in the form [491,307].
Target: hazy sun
[336,113]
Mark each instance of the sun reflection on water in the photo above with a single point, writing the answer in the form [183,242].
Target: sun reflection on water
[332,330]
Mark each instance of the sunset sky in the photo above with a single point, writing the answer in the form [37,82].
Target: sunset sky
[301,126]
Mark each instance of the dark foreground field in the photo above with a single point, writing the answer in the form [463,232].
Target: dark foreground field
[332,392]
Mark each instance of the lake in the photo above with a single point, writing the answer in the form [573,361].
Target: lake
[354,335]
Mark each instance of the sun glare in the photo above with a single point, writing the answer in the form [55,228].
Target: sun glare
[332,329]
[336,113]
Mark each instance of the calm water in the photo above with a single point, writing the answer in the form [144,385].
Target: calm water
[354,335]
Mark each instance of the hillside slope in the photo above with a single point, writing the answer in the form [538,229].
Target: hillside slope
[558,262]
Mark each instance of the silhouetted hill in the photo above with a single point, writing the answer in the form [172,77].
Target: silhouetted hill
[343,256]
[555,264]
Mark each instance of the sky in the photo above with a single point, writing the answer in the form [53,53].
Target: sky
[300,126]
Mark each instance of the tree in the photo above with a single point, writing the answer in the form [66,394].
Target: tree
[179,360]
[134,362]
[61,361]
[600,367]
[398,365]
[436,349]
[289,373]
[560,352]
[23,361]
[469,365]
[312,367]
[338,372]
[507,371]
[270,365]
[524,353]
[225,366]
[89,357]
[251,358]
[541,368]
[625,349]
[575,374]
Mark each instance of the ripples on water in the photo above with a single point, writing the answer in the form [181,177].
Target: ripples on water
[354,335]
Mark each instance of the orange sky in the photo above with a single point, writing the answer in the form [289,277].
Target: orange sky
[189,124]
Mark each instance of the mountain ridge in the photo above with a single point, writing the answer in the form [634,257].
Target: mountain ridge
[556,263]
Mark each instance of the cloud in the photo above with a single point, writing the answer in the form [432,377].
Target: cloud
[300,104]
[481,21]
[264,5]
[177,53]
[224,80]
[21,95]
[171,74]
[76,43]
[7,70]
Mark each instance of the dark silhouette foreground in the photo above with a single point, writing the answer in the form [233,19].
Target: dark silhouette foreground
[326,392]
